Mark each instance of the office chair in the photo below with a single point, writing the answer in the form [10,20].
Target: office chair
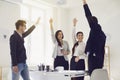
[99,74]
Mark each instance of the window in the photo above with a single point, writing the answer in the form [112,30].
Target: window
[38,44]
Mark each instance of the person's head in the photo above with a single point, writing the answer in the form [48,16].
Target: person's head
[94,19]
[59,36]
[20,25]
[79,36]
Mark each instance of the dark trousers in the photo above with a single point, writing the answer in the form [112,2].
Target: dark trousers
[60,61]
[80,65]
[95,62]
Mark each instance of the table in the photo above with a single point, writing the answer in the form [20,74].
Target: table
[56,75]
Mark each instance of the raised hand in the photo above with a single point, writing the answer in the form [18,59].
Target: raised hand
[74,22]
[51,21]
[37,22]
[84,2]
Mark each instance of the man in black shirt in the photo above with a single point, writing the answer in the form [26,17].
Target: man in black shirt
[95,43]
[18,51]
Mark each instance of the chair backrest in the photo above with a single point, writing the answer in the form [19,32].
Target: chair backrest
[99,74]
[0,73]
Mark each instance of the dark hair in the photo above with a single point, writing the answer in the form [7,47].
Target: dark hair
[76,44]
[20,23]
[56,36]
[94,19]
[80,32]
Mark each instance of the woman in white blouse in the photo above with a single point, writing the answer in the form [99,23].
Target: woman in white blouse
[61,49]
[78,55]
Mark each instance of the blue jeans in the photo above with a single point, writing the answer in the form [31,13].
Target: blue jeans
[23,71]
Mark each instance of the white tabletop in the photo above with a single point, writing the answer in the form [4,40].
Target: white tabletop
[56,75]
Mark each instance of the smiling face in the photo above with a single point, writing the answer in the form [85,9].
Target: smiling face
[80,36]
[60,35]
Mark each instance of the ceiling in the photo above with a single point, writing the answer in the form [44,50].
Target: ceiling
[69,3]
[78,3]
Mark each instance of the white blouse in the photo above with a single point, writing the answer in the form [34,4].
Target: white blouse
[59,51]
[79,50]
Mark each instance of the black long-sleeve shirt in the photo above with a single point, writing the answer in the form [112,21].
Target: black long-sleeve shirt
[96,41]
[17,48]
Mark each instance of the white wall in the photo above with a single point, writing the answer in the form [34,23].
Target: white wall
[61,21]
[9,13]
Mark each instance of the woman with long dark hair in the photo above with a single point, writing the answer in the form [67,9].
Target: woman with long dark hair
[61,49]
[78,55]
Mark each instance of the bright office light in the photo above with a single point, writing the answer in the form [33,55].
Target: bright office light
[61,2]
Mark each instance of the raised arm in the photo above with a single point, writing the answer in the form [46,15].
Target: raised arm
[88,15]
[74,31]
[86,9]
[30,29]
[52,31]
